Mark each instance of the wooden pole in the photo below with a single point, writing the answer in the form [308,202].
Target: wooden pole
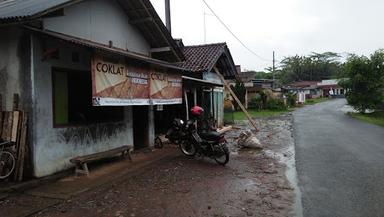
[168,15]
[1,115]
[273,71]
[186,105]
[23,147]
[235,97]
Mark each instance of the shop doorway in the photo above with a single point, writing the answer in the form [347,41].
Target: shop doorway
[164,115]
[140,127]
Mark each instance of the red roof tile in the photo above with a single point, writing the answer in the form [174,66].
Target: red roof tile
[201,58]
[304,83]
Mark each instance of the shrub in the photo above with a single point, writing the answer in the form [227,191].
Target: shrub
[240,91]
[291,99]
[275,104]
[310,101]
[256,103]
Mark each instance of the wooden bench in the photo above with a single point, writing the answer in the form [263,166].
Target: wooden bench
[81,161]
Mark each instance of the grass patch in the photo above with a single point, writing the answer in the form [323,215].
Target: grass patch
[315,101]
[239,115]
[373,118]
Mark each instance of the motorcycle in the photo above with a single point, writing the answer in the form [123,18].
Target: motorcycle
[177,132]
[191,142]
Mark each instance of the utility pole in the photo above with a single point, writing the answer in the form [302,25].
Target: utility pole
[205,29]
[273,70]
[205,26]
[168,15]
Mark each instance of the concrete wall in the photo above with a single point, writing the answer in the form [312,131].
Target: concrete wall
[53,147]
[15,67]
[213,77]
[100,21]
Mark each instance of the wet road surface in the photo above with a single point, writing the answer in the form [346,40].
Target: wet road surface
[253,183]
[340,162]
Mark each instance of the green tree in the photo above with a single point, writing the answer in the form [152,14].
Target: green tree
[239,90]
[314,67]
[263,75]
[364,81]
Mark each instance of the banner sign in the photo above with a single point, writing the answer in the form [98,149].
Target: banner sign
[165,89]
[119,84]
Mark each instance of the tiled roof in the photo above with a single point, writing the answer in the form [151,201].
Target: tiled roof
[201,58]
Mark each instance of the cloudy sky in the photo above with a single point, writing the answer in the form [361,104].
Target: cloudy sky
[287,27]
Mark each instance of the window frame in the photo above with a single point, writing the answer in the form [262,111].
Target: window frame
[69,125]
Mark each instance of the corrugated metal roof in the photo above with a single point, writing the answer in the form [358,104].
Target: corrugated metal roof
[155,32]
[202,81]
[15,9]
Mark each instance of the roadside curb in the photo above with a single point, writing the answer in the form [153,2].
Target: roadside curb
[31,188]
[23,186]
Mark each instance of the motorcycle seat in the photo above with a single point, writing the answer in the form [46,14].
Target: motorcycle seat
[210,136]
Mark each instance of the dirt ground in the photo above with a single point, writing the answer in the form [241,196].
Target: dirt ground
[253,183]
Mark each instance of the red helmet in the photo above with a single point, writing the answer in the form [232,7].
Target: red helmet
[197,111]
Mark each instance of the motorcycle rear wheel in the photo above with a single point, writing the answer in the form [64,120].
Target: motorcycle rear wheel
[187,148]
[222,157]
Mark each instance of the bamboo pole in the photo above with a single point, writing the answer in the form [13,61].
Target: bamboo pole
[236,99]
[1,115]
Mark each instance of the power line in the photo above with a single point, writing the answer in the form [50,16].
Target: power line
[233,34]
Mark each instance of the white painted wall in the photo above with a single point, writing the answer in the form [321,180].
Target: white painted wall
[100,21]
[53,147]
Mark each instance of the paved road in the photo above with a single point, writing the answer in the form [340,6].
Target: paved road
[340,162]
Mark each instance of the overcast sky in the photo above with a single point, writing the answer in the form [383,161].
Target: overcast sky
[287,27]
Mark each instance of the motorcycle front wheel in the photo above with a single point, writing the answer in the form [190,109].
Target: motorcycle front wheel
[222,154]
[187,148]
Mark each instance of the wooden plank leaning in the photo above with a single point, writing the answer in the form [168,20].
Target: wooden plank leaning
[15,125]
[17,142]
[7,126]
[236,99]
[22,146]
[1,115]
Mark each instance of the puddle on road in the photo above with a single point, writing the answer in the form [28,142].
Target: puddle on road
[277,135]
[287,157]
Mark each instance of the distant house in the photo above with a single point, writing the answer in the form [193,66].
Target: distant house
[202,86]
[245,77]
[331,88]
[263,83]
[253,86]
[309,88]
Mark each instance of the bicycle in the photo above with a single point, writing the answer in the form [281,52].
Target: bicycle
[7,160]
